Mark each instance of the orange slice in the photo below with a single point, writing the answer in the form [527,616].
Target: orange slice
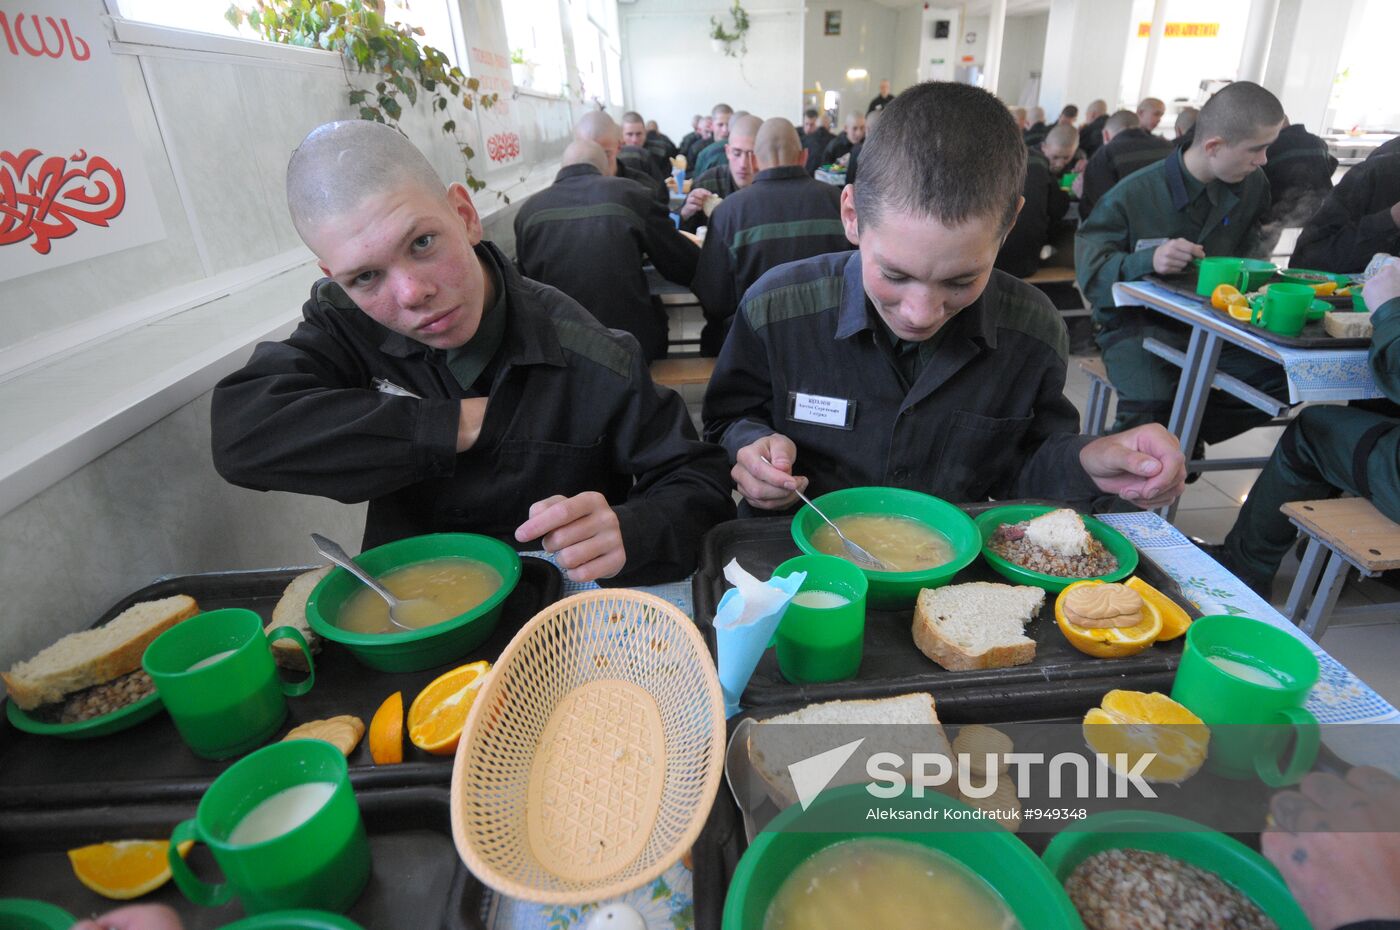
[1112,642]
[1175,620]
[1242,312]
[1223,296]
[1325,288]
[438,713]
[386,731]
[1133,723]
[124,869]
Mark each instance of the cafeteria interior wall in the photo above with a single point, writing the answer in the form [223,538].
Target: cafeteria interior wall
[151,506]
[1085,47]
[867,41]
[1022,56]
[671,71]
[908,40]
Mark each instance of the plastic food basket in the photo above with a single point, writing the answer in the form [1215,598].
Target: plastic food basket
[592,755]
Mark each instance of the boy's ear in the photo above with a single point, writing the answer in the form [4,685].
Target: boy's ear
[848,214]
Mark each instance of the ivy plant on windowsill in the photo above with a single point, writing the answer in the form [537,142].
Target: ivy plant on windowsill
[357,30]
[726,40]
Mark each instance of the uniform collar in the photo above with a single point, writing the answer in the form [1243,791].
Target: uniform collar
[574,171]
[1181,184]
[780,173]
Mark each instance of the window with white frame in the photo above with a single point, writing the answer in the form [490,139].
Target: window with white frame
[597,50]
[536,45]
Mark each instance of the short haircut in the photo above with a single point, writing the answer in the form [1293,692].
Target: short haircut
[1186,120]
[1036,114]
[1070,110]
[745,126]
[945,151]
[776,144]
[722,109]
[1062,135]
[1151,102]
[631,116]
[853,117]
[596,126]
[583,152]
[338,165]
[1121,120]
[1096,109]
[810,113]
[1237,112]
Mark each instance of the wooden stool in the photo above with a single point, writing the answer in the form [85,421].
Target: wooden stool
[674,372]
[1100,396]
[1353,533]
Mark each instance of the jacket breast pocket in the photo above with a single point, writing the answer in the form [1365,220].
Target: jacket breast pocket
[536,469]
[979,454]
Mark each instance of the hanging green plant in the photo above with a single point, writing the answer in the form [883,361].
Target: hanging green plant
[729,40]
[357,30]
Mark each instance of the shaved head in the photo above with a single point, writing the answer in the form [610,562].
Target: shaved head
[1036,114]
[1237,112]
[597,126]
[1123,119]
[341,164]
[1061,135]
[1059,146]
[777,144]
[583,152]
[746,126]
[1096,109]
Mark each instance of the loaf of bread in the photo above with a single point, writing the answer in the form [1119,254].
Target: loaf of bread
[93,657]
[291,611]
[778,742]
[1347,324]
[976,625]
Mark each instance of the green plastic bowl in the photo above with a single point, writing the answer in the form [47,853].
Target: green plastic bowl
[1310,276]
[28,914]
[1183,839]
[1318,310]
[895,590]
[1358,303]
[1003,861]
[413,650]
[294,920]
[1114,541]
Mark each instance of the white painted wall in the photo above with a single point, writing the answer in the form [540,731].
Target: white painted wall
[1022,55]
[671,72]
[907,40]
[867,40]
[938,58]
[1085,44]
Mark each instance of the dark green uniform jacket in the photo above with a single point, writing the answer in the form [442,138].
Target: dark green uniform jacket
[1299,170]
[710,155]
[781,217]
[692,153]
[645,161]
[1035,134]
[984,415]
[586,234]
[814,143]
[879,103]
[1354,222]
[1129,151]
[653,186]
[835,149]
[1160,202]
[1091,136]
[572,408]
[1040,219]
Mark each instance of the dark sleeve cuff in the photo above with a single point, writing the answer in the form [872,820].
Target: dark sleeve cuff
[436,435]
[1138,265]
[741,433]
[1378,225]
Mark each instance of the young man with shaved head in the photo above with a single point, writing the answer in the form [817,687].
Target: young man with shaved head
[1127,148]
[1058,149]
[586,234]
[1036,130]
[1149,113]
[884,99]
[598,127]
[781,217]
[637,152]
[1091,133]
[911,362]
[1206,199]
[815,138]
[725,179]
[841,146]
[723,116]
[430,379]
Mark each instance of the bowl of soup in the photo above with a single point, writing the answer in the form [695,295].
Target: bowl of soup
[924,540]
[459,582]
[825,869]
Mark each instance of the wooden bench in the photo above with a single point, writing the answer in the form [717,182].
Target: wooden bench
[1353,534]
[1100,396]
[1052,274]
[674,372]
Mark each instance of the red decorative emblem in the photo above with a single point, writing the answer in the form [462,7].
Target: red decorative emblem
[46,198]
[503,146]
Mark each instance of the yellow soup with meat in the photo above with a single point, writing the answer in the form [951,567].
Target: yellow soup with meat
[439,589]
[903,544]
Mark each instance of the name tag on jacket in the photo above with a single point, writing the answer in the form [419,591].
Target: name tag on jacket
[835,412]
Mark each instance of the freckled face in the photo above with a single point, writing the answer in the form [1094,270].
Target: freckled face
[404,256]
[919,273]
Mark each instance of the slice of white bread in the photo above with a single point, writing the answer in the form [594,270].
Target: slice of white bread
[92,657]
[778,742]
[1061,531]
[291,611]
[1347,324]
[976,625]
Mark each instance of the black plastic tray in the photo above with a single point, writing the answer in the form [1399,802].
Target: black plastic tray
[417,879]
[1061,680]
[1313,336]
[150,761]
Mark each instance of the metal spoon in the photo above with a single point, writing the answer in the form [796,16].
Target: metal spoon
[413,609]
[859,554]
[737,771]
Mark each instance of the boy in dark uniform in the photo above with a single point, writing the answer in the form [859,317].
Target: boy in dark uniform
[725,179]
[1299,170]
[911,362]
[586,234]
[815,139]
[1091,133]
[1358,219]
[781,217]
[598,127]
[1127,148]
[431,380]
[1204,200]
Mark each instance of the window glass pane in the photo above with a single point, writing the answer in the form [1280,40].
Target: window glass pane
[536,44]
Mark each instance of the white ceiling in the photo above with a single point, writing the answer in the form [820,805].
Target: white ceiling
[979,7]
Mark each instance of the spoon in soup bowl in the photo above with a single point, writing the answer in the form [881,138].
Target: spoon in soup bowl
[406,614]
[862,557]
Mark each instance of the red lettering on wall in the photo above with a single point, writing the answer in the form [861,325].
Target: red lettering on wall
[42,48]
[45,198]
[503,146]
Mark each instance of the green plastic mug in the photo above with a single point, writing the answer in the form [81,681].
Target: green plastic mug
[322,861]
[822,643]
[1284,309]
[1246,274]
[1248,682]
[216,676]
